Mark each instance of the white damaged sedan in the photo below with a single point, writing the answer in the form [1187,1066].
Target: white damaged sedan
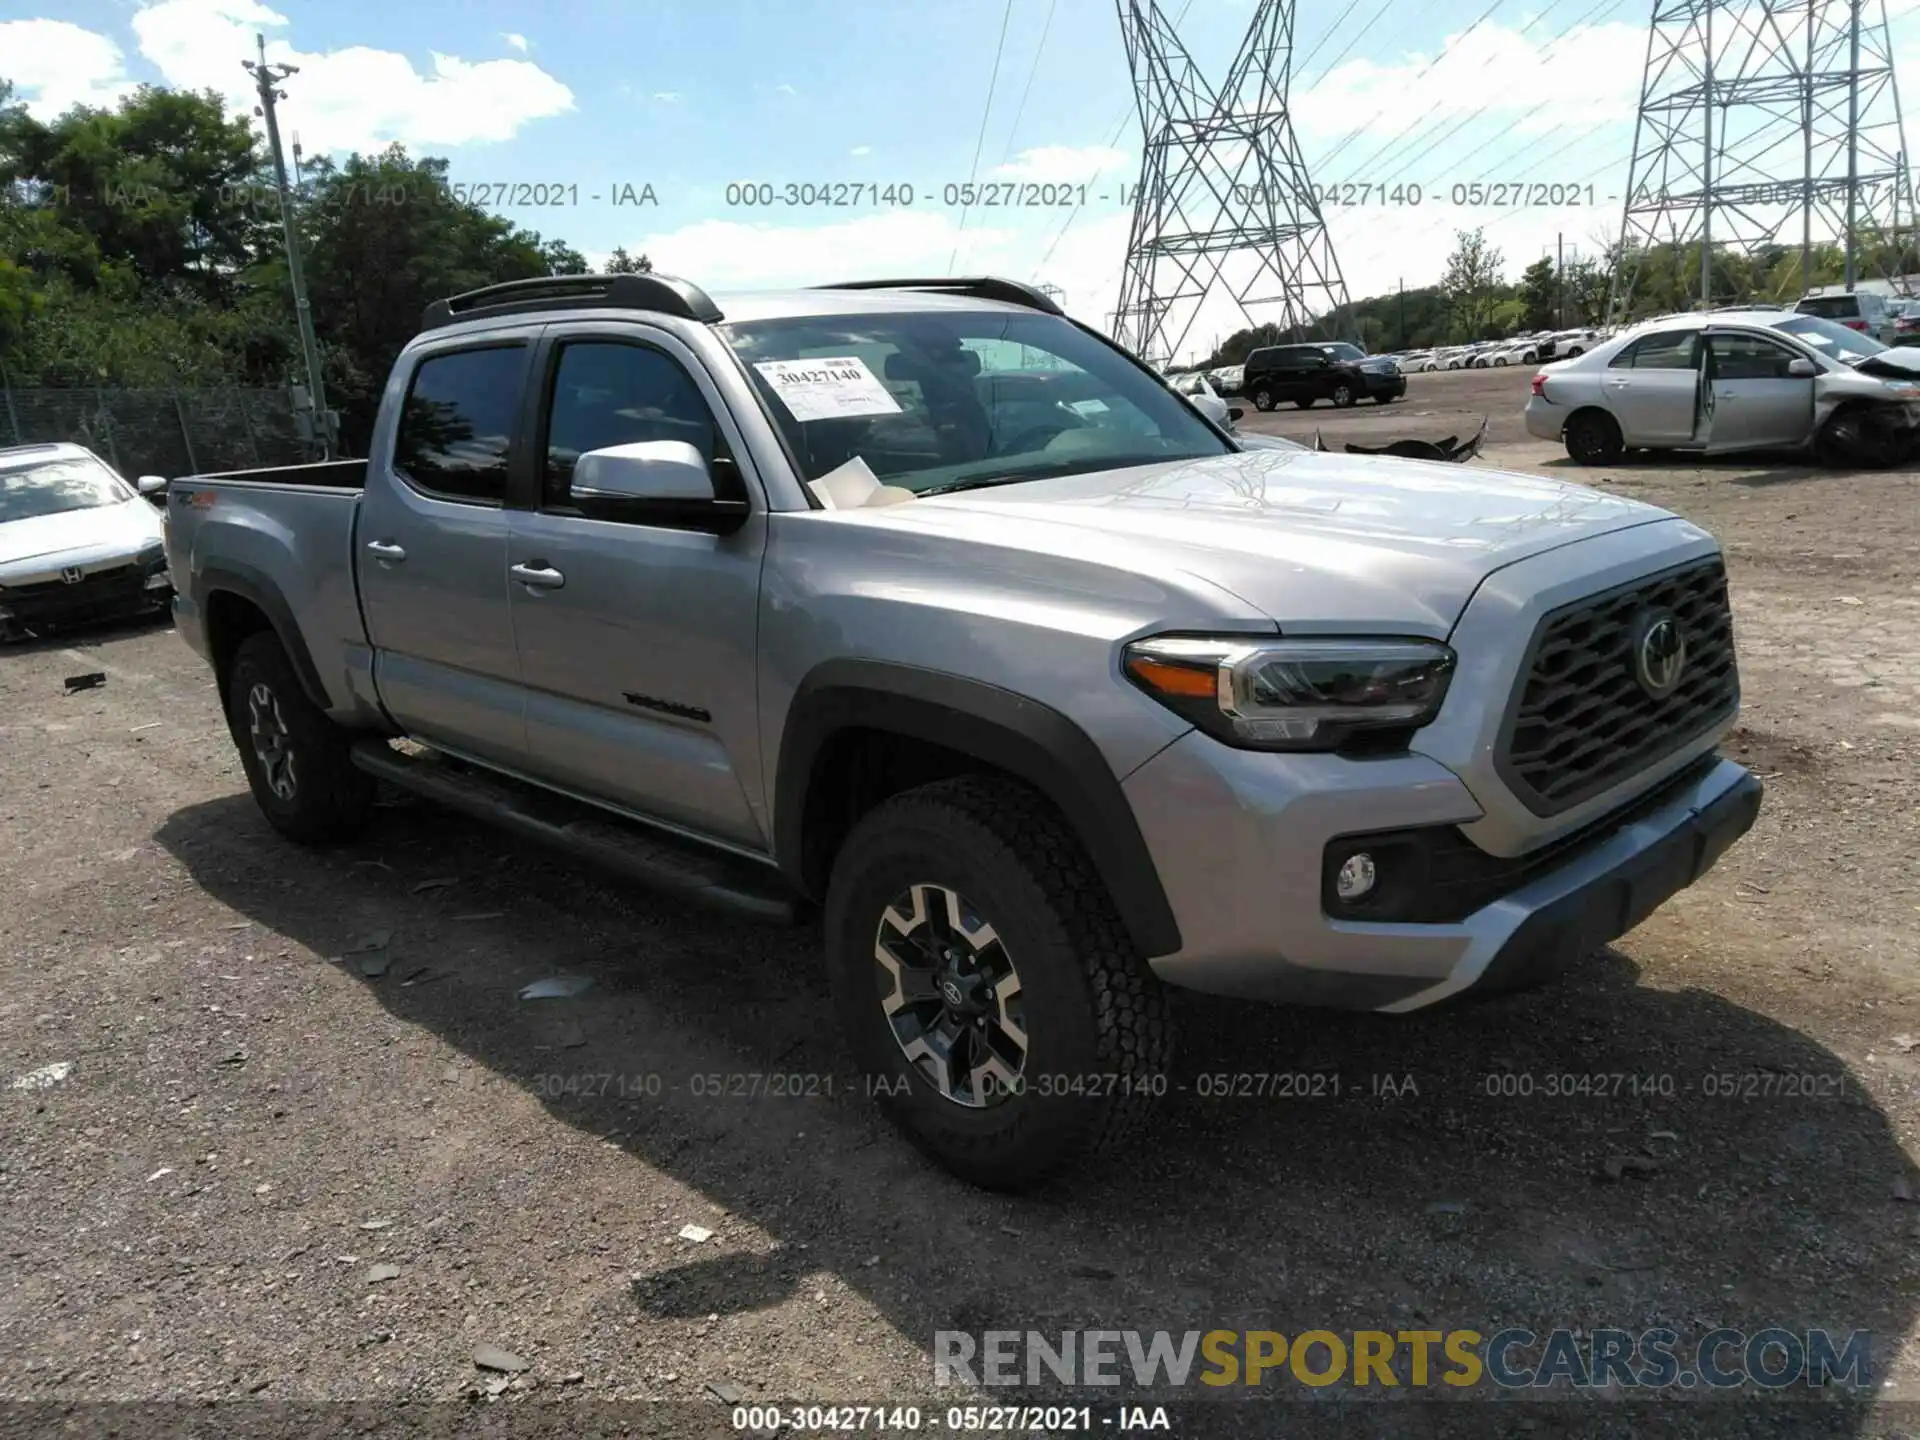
[77,542]
[1733,380]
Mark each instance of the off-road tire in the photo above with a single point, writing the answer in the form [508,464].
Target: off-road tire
[330,800]
[1593,438]
[1096,1017]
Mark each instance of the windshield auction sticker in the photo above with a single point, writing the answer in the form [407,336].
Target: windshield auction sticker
[836,388]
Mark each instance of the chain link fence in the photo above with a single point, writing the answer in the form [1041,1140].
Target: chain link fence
[160,432]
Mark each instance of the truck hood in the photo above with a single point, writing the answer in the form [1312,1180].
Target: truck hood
[1328,542]
[94,533]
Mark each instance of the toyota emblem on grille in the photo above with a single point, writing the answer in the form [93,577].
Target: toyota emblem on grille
[1659,654]
[73,575]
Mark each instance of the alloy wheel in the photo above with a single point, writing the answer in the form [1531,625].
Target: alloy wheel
[951,996]
[272,744]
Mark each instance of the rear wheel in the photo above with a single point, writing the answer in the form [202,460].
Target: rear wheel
[993,1000]
[1263,399]
[296,760]
[1593,438]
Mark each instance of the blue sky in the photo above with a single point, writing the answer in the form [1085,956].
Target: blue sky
[690,95]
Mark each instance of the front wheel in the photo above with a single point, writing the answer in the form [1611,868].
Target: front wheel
[296,759]
[1342,396]
[1593,438]
[994,1002]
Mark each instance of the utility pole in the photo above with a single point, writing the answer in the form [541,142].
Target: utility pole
[1403,313]
[1560,281]
[1706,175]
[267,79]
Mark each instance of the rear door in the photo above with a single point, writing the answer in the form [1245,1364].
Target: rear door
[431,548]
[636,642]
[1755,403]
[1653,388]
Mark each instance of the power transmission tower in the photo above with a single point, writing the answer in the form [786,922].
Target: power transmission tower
[267,80]
[1224,206]
[1765,127]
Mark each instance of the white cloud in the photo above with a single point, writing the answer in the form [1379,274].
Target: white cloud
[518,42]
[55,65]
[1524,83]
[666,97]
[786,90]
[732,254]
[861,150]
[1064,164]
[355,98]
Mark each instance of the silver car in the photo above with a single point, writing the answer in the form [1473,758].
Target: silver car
[77,543]
[1724,381]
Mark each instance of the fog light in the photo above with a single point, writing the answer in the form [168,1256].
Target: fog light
[1356,877]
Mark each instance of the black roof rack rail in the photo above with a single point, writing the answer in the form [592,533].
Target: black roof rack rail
[663,293]
[981,287]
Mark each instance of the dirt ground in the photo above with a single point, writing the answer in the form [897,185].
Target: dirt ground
[278,1171]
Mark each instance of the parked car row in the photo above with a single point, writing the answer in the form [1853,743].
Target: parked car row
[1530,349]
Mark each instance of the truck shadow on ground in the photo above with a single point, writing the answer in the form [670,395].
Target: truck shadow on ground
[1598,1153]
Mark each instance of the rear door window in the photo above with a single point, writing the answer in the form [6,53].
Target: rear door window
[458,421]
[1663,350]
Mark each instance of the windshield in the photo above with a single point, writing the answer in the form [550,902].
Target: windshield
[53,486]
[939,400]
[1829,338]
[1344,351]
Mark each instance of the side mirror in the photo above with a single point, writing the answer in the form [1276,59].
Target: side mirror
[664,482]
[151,485]
[1234,412]
[1801,368]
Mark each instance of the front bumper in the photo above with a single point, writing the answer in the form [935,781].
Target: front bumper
[1245,883]
[103,592]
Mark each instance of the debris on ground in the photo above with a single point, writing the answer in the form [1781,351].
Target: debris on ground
[92,680]
[440,884]
[698,1234]
[46,1077]
[382,1272]
[725,1391]
[1450,448]
[1615,1166]
[492,1357]
[1903,1189]
[556,987]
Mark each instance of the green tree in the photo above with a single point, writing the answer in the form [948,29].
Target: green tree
[621,263]
[1472,279]
[1539,294]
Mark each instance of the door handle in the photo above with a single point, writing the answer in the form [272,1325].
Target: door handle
[539,575]
[386,550]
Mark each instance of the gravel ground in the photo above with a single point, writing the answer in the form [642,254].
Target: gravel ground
[306,1144]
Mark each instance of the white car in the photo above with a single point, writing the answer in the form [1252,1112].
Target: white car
[77,543]
[1205,399]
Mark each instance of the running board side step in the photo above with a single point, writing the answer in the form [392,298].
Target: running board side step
[683,869]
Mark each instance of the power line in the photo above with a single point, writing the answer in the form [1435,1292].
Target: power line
[986,111]
[1032,70]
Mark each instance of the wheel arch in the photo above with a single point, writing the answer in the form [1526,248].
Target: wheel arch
[940,724]
[236,601]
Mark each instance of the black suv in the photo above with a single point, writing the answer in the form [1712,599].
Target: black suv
[1331,370]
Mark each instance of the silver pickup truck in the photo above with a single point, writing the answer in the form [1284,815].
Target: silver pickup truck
[924,604]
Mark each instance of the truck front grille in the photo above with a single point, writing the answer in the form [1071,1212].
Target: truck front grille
[1582,721]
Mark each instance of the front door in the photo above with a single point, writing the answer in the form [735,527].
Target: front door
[431,552]
[1653,389]
[636,640]
[1754,404]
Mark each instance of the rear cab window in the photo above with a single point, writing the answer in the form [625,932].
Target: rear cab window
[458,421]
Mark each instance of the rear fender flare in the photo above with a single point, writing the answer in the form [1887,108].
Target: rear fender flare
[258,589]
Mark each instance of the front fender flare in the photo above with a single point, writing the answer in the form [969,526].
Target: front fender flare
[1022,737]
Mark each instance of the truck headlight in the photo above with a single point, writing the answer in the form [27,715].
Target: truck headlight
[1307,694]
